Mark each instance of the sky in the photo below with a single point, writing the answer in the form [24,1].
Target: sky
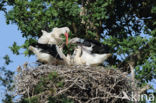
[9,34]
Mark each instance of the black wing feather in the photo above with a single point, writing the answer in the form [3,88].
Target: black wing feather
[48,48]
[97,48]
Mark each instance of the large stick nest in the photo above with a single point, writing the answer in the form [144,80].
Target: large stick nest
[80,84]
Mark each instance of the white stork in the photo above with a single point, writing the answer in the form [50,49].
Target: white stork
[47,48]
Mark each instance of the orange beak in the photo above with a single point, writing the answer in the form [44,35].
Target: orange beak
[66,35]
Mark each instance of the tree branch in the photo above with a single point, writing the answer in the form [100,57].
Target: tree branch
[132,72]
[134,58]
[144,89]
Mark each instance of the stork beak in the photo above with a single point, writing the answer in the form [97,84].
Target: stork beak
[66,35]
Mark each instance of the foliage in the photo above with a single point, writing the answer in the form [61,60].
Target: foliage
[6,80]
[69,49]
[7,59]
[60,99]
[127,26]
[4,3]
[30,100]
[122,22]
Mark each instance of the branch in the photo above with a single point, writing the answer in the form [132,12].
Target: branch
[144,89]
[134,58]
[132,72]
[74,28]
[90,24]
[83,13]
[66,89]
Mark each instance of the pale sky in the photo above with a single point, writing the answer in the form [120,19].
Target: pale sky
[9,34]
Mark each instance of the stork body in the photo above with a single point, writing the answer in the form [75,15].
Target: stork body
[86,58]
[46,53]
[94,59]
[47,48]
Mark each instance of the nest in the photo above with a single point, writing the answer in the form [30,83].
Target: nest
[77,83]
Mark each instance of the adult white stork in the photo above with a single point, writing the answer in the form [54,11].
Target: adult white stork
[47,50]
[54,37]
[92,52]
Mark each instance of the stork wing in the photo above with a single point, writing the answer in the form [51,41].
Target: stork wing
[92,46]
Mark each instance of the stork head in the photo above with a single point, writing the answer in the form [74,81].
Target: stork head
[57,32]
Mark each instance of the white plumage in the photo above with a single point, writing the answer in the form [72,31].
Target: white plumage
[87,52]
[92,52]
[47,53]
[87,58]
[44,39]
[41,56]
[77,57]
[54,37]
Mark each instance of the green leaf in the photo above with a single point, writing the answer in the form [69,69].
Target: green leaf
[15,48]
[7,59]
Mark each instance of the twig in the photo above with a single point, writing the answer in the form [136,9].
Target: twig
[143,89]
[66,89]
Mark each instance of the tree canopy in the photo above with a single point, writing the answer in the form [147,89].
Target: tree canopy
[127,26]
